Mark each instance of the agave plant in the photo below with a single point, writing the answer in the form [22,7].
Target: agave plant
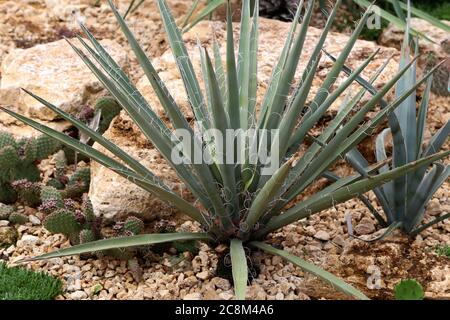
[239,203]
[404,199]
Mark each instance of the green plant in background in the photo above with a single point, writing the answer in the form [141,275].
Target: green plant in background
[405,198]
[20,284]
[443,250]
[240,204]
[440,10]
[190,20]
[19,160]
[399,17]
[408,289]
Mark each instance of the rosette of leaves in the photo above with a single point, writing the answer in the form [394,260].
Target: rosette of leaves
[238,202]
[404,199]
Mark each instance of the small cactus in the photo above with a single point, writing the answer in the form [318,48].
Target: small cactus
[82,226]
[70,187]
[133,225]
[62,221]
[19,160]
[28,192]
[64,217]
[5,211]
[87,235]
[409,289]
[109,109]
[78,183]
[18,218]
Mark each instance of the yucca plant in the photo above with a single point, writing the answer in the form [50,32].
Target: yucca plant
[239,202]
[404,199]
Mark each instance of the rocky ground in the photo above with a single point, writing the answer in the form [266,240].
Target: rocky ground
[322,239]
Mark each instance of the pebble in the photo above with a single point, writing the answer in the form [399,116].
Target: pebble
[279,296]
[78,295]
[29,239]
[193,296]
[4,223]
[34,220]
[322,235]
[226,296]
[203,275]
[221,283]
[366,226]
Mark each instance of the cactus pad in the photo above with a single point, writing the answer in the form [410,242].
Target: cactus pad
[62,221]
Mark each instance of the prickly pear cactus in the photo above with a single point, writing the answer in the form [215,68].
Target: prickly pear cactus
[71,187]
[28,192]
[19,160]
[79,225]
[133,225]
[62,221]
[130,227]
[78,183]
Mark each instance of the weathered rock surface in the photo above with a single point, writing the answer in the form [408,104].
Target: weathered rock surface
[432,53]
[111,194]
[113,197]
[392,36]
[8,236]
[54,72]
[29,22]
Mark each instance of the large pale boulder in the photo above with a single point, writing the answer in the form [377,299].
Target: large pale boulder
[112,195]
[432,51]
[52,71]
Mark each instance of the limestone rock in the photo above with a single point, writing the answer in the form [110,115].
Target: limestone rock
[112,195]
[322,235]
[20,130]
[193,296]
[54,72]
[392,36]
[8,236]
[366,226]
